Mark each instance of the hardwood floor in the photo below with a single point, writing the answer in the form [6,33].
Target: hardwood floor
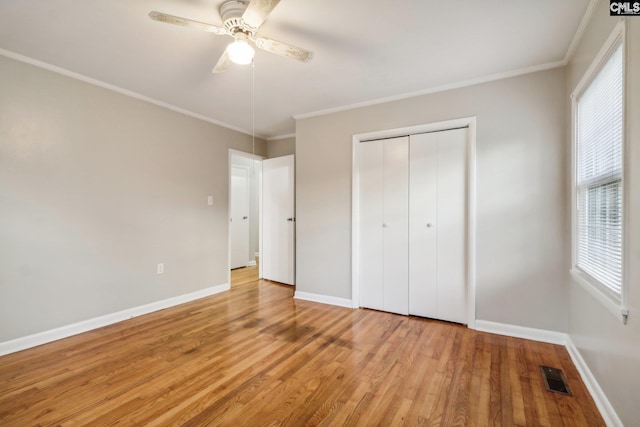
[255,356]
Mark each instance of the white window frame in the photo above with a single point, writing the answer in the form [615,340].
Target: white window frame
[616,304]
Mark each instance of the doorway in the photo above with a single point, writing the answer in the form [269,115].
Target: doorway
[239,218]
[245,184]
[262,206]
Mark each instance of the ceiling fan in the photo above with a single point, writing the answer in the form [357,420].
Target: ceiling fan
[241,20]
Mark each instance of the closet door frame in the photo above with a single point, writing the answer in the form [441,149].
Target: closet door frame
[468,122]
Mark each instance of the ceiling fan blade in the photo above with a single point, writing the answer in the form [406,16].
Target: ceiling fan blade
[176,20]
[223,63]
[257,12]
[283,49]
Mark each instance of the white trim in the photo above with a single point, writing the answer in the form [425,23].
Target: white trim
[251,263]
[355,222]
[323,299]
[471,82]
[617,308]
[604,406]
[277,137]
[442,88]
[471,224]
[594,288]
[411,130]
[486,79]
[542,335]
[44,337]
[244,154]
[469,122]
[626,175]
[580,31]
[618,33]
[126,92]
[600,398]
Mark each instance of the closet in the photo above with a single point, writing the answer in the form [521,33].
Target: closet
[412,224]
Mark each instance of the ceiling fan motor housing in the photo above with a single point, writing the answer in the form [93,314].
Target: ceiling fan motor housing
[231,13]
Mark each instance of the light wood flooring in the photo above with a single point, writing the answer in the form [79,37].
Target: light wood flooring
[255,356]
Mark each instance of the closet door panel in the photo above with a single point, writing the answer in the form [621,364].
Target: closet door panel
[451,243]
[413,193]
[371,219]
[423,220]
[396,225]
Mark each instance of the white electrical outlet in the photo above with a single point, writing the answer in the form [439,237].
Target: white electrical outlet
[210,200]
[160,269]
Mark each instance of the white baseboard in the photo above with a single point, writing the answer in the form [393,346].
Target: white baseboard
[324,299]
[44,337]
[251,263]
[542,335]
[604,406]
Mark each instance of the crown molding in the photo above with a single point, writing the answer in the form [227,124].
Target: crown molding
[586,17]
[486,79]
[436,89]
[277,137]
[580,31]
[122,91]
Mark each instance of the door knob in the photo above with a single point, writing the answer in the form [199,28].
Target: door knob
[245,217]
[291,219]
[429,225]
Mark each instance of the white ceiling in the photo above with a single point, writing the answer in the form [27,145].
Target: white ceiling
[363,50]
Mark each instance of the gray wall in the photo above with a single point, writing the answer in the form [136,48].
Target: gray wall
[281,147]
[611,349]
[521,193]
[96,188]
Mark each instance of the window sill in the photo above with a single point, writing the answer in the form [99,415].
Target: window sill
[614,307]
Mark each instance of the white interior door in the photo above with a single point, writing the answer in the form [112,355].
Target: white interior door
[278,219]
[438,193]
[239,221]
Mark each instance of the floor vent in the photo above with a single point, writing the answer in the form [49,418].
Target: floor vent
[554,380]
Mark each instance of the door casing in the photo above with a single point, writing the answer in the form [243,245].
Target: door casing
[238,153]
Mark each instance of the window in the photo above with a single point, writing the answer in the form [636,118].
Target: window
[598,114]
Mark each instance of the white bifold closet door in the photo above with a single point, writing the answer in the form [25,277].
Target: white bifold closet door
[384,224]
[412,236]
[437,225]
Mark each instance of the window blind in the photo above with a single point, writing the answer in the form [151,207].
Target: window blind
[599,136]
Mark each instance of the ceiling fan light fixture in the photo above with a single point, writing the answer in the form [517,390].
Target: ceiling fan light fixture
[241,20]
[241,52]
